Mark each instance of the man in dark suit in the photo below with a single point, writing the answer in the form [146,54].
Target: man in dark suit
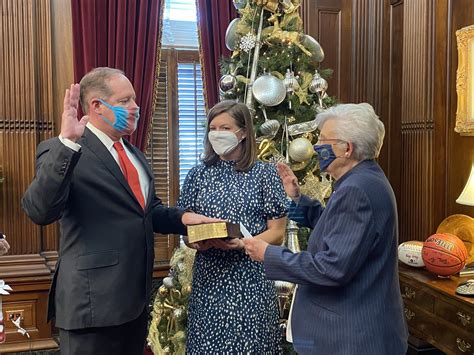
[348,297]
[101,190]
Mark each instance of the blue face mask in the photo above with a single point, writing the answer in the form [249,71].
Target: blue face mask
[325,155]
[125,119]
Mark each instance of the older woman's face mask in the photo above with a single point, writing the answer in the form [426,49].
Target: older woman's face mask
[326,153]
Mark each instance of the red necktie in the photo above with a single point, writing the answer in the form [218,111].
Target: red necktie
[130,173]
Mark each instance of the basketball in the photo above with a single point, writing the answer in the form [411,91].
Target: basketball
[444,254]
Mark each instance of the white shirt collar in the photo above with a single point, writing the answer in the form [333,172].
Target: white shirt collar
[105,139]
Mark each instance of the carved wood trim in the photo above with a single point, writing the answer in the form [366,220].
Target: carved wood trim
[39,344]
[18,267]
[51,258]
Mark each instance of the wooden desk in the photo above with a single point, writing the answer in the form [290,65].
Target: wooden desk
[434,313]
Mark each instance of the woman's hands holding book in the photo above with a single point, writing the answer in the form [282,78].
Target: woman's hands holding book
[224,244]
[228,244]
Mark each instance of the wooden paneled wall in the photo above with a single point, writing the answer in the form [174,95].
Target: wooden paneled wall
[26,109]
[326,21]
[401,56]
[417,120]
[35,68]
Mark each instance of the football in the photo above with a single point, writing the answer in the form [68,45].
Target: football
[444,254]
[409,253]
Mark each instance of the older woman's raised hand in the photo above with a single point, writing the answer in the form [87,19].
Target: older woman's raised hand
[290,181]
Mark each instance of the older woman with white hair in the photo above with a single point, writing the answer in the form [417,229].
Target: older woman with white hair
[348,298]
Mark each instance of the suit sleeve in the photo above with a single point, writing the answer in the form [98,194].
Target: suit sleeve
[306,212]
[167,220]
[348,237]
[46,197]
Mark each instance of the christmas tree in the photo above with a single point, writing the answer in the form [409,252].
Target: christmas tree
[167,330]
[274,70]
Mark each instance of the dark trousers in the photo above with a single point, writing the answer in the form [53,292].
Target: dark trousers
[125,339]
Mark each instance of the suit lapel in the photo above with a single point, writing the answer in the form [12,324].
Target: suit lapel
[90,140]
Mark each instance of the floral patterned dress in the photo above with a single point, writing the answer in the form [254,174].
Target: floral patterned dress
[233,307]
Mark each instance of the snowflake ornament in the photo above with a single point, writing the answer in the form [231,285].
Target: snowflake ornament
[248,42]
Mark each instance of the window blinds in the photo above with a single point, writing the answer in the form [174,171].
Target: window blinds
[192,117]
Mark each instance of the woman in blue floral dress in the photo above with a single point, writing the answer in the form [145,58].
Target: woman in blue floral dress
[233,307]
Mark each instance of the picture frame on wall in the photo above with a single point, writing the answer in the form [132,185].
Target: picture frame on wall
[465,81]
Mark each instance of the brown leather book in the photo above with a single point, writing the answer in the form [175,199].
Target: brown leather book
[217,230]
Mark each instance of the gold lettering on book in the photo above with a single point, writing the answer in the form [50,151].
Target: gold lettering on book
[200,232]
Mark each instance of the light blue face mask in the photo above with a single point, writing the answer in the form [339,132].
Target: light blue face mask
[125,119]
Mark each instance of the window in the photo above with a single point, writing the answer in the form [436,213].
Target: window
[177,132]
[180,25]
[191,113]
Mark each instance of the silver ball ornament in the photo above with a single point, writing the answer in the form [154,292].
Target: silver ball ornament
[313,46]
[290,81]
[168,282]
[318,84]
[231,36]
[239,4]
[227,82]
[270,127]
[300,149]
[268,90]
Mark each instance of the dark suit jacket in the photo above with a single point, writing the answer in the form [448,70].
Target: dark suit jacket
[348,299]
[106,252]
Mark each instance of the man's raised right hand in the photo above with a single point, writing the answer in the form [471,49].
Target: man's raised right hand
[71,128]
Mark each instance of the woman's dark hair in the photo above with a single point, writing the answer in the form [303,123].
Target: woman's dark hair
[241,114]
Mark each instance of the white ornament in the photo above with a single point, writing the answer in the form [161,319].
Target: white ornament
[248,42]
[240,4]
[318,85]
[300,149]
[168,282]
[270,128]
[290,81]
[227,82]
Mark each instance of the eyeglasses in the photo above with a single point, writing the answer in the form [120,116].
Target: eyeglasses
[332,141]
